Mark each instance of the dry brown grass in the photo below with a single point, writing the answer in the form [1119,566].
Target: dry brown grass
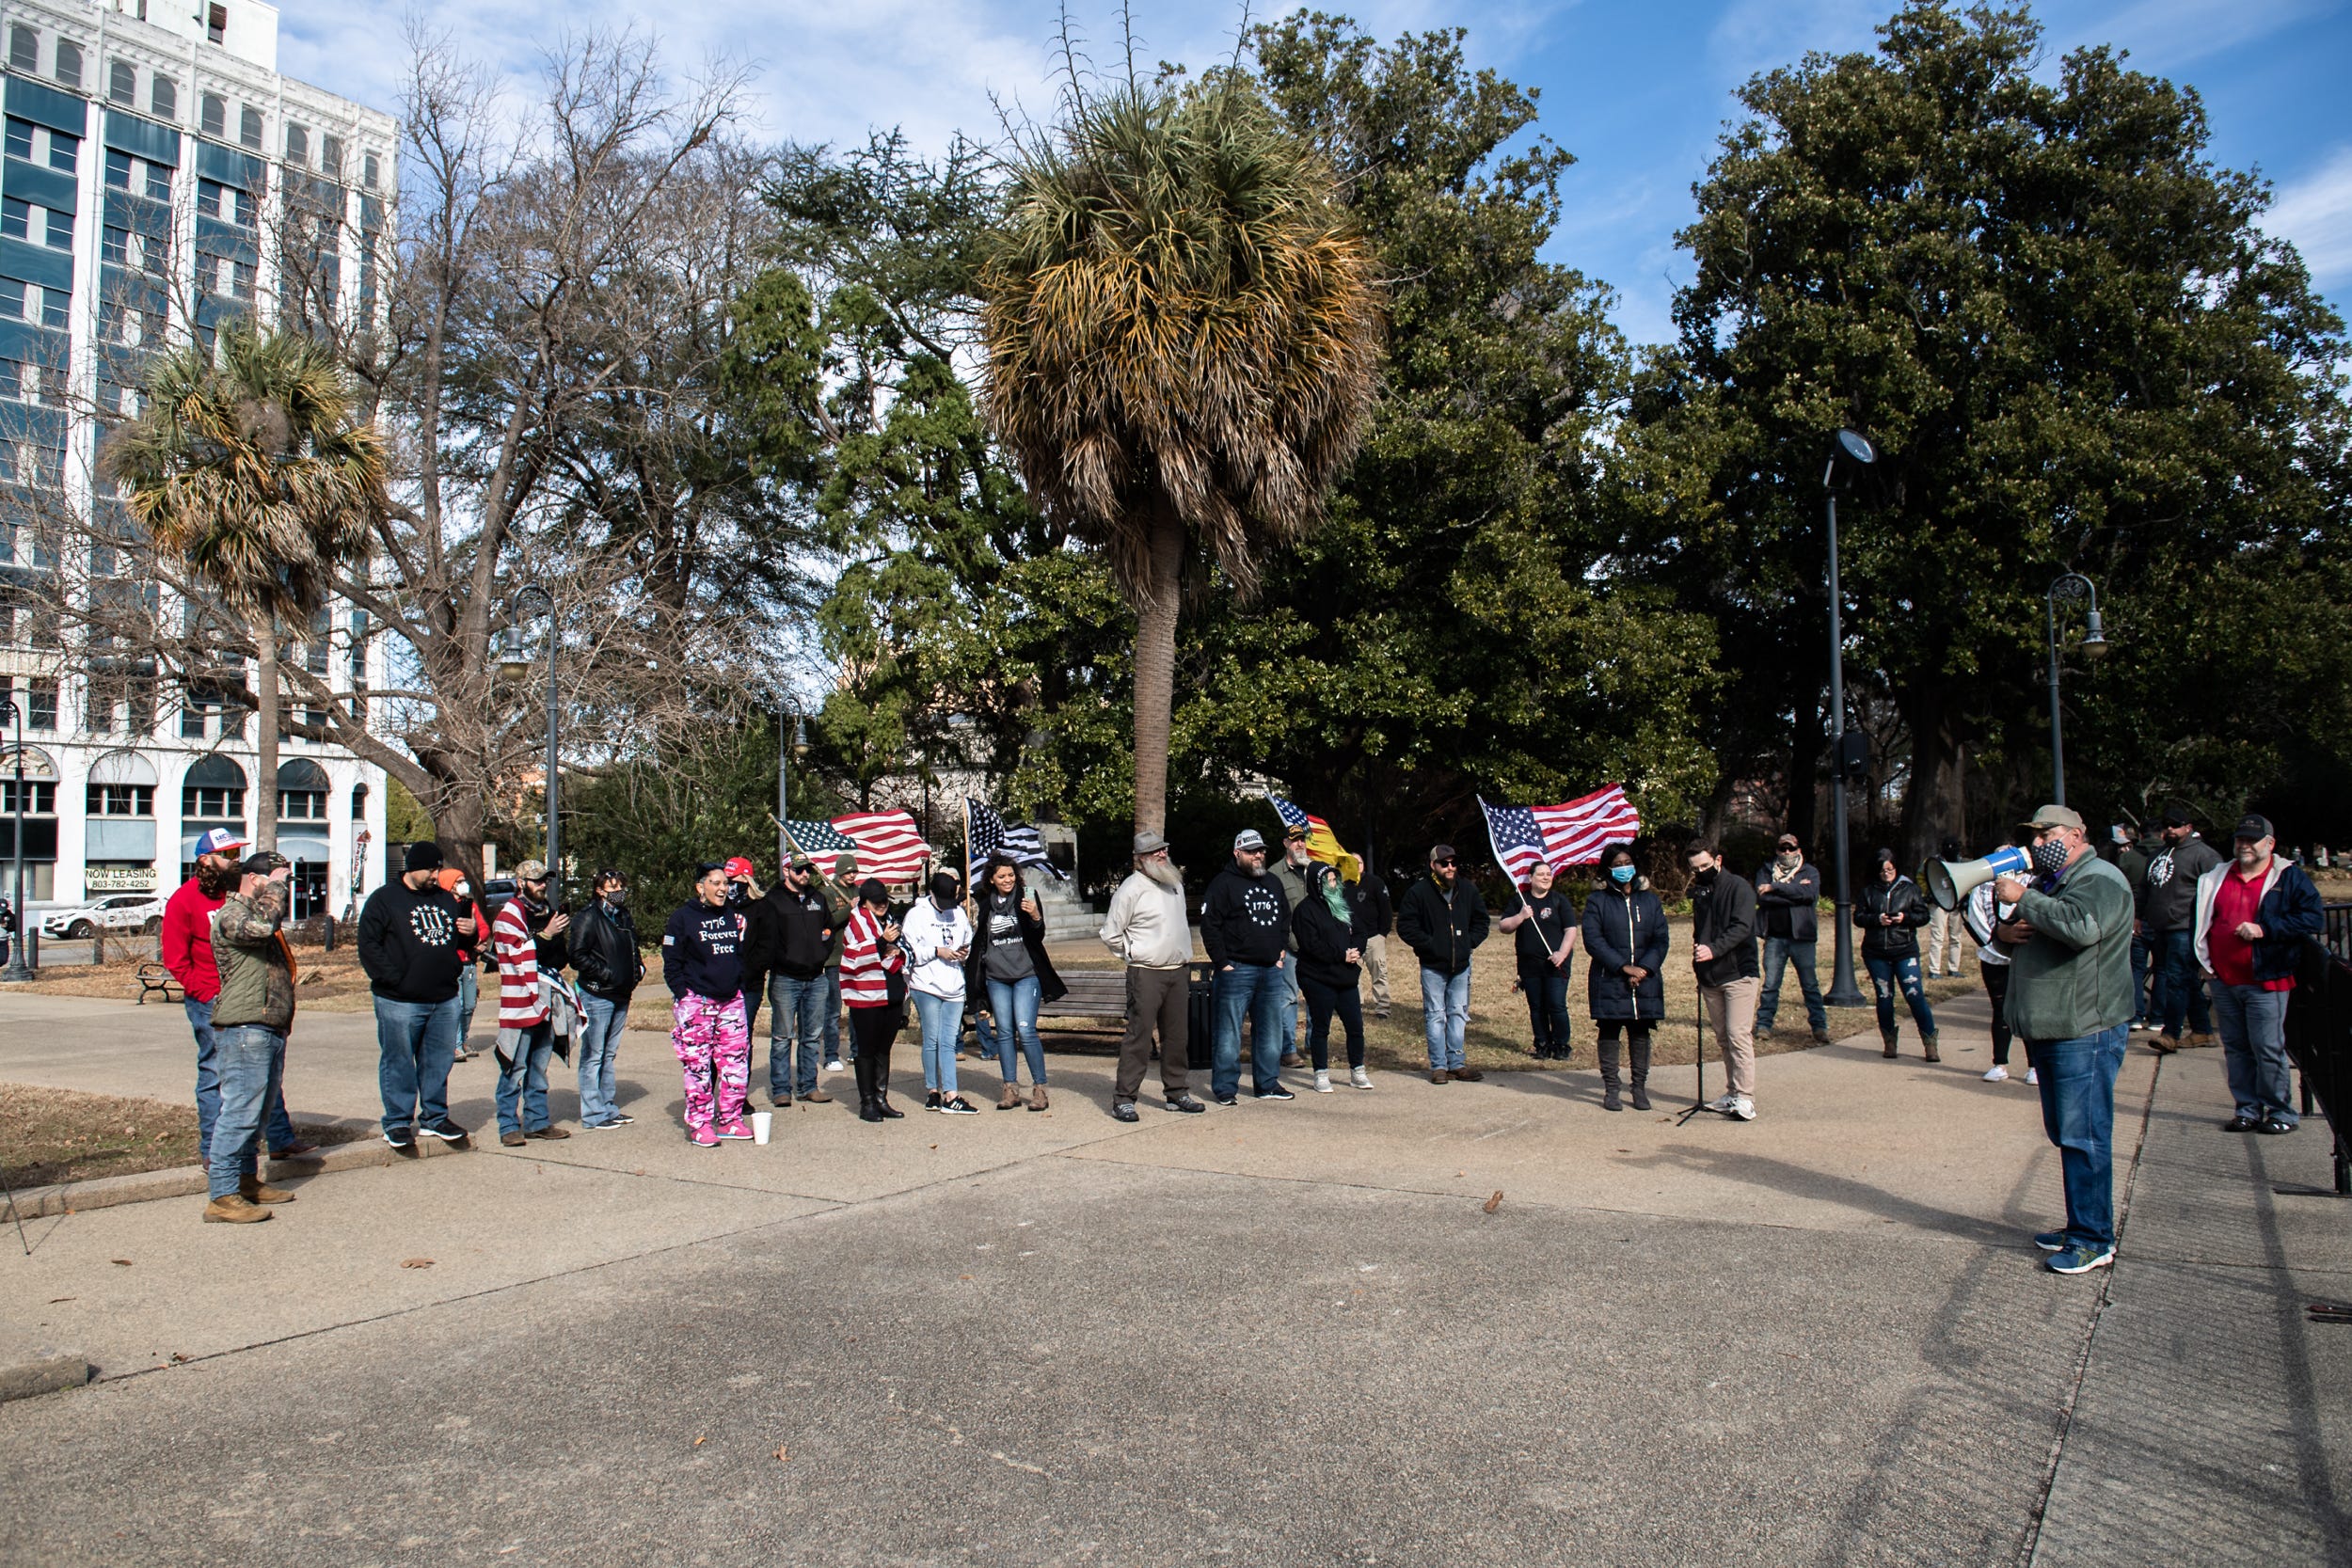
[50,1135]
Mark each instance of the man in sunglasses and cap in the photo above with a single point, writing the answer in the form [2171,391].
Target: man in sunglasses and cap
[2254,912]
[252,1014]
[2070,999]
[1442,919]
[1245,927]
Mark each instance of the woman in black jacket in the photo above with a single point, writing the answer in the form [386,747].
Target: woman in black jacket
[1332,925]
[1890,912]
[1008,966]
[1545,923]
[1625,949]
[605,957]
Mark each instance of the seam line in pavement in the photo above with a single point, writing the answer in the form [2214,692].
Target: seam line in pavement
[2031,1551]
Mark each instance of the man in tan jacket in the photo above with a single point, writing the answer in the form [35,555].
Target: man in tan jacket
[1146,927]
[251,1017]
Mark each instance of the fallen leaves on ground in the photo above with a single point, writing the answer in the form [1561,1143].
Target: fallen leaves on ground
[416,1263]
[1493,1203]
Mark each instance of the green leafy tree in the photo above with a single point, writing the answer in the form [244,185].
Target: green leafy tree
[1182,335]
[247,465]
[2075,350]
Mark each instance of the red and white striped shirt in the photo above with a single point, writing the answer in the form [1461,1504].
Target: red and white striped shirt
[865,962]
[520,1005]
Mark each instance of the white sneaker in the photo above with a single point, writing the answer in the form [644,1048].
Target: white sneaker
[2033,1075]
[1742,1108]
[1724,1104]
[834,1066]
[1322,1083]
[1361,1079]
[1998,1075]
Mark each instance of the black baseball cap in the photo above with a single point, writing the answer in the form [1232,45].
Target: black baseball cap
[2253,827]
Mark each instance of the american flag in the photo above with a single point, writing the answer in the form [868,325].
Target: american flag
[815,839]
[1571,834]
[989,834]
[889,846]
[1322,843]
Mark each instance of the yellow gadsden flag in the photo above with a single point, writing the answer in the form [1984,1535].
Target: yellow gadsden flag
[1322,843]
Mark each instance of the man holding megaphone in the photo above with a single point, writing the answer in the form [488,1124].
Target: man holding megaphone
[2070,999]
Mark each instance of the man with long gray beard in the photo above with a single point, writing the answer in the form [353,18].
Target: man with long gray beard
[1146,928]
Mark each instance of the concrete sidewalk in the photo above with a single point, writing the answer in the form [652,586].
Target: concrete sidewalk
[1276,1333]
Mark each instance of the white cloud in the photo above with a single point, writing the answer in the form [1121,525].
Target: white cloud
[2314,213]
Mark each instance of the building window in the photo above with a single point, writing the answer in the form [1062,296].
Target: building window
[114,800]
[297,144]
[41,705]
[207,273]
[370,170]
[114,245]
[211,802]
[16,218]
[158,182]
[331,156]
[122,83]
[163,99]
[24,49]
[118,168]
[216,24]
[302,805]
[68,63]
[12,297]
[249,127]
[41,800]
[213,110]
[19,141]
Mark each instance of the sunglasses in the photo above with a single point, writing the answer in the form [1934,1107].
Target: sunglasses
[1448,861]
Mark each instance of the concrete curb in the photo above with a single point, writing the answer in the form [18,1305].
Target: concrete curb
[188,1181]
[46,1375]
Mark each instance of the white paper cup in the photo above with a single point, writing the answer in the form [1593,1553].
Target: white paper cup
[761,1122]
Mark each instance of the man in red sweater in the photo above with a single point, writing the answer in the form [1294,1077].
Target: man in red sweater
[187,952]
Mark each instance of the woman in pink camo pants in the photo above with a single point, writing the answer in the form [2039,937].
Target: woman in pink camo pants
[702,963]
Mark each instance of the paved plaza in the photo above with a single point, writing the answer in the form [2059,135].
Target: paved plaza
[1275,1333]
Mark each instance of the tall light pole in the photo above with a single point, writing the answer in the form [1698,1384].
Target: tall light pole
[18,969]
[1849,453]
[514,663]
[791,740]
[2074,585]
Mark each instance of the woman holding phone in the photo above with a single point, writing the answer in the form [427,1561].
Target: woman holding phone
[871,960]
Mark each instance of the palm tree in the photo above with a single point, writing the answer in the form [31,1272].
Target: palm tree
[1182,337]
[248,467]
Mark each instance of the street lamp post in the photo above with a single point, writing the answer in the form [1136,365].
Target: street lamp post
[1855,451]
[2074,585]
[18,969]
[791,738]
[529,600]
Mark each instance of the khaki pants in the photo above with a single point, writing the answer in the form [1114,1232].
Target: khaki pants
[1731,1011]
[1376,969]
[1945,929]
[1156,999]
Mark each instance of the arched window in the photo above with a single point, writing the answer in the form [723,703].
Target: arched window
[301,791]
[213,793]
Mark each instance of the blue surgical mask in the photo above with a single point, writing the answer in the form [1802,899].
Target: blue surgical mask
[1621,874]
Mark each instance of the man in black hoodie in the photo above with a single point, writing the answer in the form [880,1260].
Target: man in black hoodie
[1443,920]
[1245,927]
[2167,917]
[793,932]
[1722,956]
[408,936]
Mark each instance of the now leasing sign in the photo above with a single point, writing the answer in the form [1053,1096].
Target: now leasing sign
[119,878]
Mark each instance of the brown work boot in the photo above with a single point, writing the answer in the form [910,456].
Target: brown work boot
[1010,1099]
[550,1134]
[818,1097]
[234,1208]
[254,1190]
[2164,1045]
[1439,1075]
[1889,1040]
[2203,1038]
[1036,1096]
[1467,1075]
[513,1140]
[1292,1058]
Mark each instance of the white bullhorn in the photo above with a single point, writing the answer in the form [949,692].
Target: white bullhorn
[1950,883]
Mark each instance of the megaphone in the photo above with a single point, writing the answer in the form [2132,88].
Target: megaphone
[1950,883]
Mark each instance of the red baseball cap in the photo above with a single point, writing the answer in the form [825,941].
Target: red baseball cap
[740,867]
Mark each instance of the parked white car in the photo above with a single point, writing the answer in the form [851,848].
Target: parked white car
[119,912]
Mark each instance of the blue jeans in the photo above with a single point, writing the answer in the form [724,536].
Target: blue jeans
[250,1060]
[833,1020]
[1888,976]
[2180,986]
[942,1020]
[415,1040]
[1547,988]
[1254,991]
[795,1016]
[1445,1016]
[2254,1051]
[282,1132]
[2078,1113]
[600,1025]
[1015,1004]
[469,994]
[1779,953]
[523,1080]
[1288,1023]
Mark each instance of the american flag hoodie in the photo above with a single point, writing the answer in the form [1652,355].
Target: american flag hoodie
[521,1004]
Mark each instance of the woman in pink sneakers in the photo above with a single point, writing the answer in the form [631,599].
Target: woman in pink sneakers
[702,963]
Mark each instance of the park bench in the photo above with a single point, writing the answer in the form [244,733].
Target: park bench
[153,978]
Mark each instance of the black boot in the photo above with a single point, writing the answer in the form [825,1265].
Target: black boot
[869,1108]
[1609,1100]
[881,1070]
[1639,1051]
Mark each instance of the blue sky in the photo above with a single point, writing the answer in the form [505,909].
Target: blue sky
[1638,92]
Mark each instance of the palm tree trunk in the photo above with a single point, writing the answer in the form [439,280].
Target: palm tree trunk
[1155,669]
[265,704]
